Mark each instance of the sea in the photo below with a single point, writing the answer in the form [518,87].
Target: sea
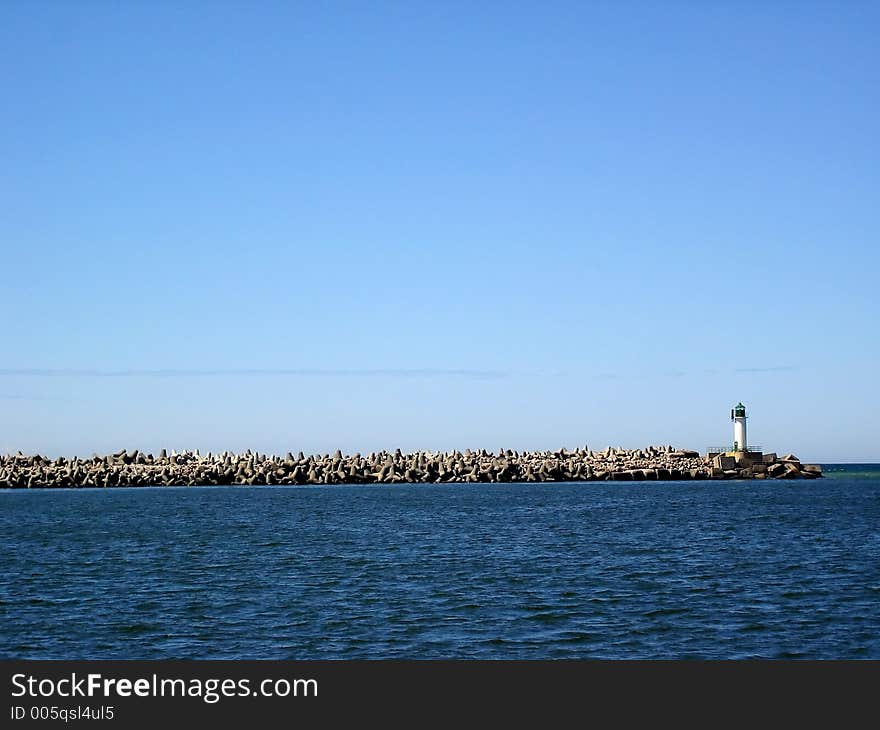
[608,570]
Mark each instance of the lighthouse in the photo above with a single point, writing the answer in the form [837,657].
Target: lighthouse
[738,416]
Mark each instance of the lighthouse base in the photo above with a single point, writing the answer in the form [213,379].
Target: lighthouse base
[737,460]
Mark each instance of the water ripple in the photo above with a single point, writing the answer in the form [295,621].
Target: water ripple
[630,570]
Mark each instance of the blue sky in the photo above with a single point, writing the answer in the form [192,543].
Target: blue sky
[439,225]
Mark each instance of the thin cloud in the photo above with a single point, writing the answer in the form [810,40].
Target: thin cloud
[673,373]
[257,372]
[607,375]
[772,369]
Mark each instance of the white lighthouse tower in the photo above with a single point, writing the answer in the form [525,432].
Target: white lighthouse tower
[738,416]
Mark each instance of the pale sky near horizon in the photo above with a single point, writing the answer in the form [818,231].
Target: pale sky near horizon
[302,226]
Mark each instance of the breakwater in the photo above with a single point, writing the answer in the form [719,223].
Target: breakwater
[190,468]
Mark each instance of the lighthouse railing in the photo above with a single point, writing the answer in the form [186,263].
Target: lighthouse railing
[726,449]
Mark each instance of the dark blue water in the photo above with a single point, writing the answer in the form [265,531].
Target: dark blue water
[634,570]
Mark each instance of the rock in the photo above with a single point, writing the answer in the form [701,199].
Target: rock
[134,468]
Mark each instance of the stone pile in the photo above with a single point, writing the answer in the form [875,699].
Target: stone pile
[189,468]
[754,465]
